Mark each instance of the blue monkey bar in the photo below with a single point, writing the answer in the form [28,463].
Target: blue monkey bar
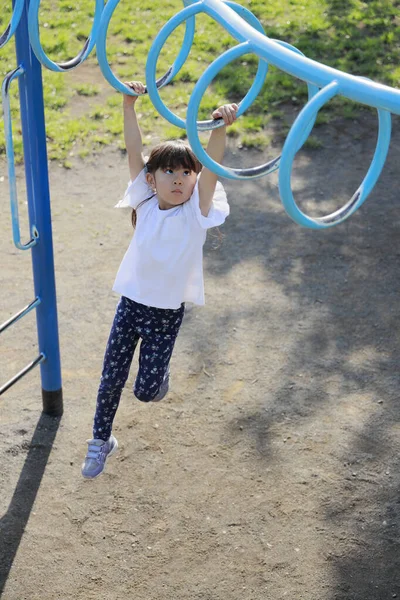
[29,77]
[323,84]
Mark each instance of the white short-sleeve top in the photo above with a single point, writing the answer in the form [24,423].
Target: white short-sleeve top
[163,265]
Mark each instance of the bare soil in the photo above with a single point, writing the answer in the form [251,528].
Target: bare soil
[271,470]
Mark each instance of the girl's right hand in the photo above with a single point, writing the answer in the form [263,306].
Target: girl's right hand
[227,112]
[136,86]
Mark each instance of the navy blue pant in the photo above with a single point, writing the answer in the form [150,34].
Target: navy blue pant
[157,328]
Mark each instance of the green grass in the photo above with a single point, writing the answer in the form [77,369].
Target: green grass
[83,113]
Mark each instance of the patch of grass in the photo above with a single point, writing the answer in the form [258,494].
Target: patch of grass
[85,89]
[84,152]
[355,36]
[256,141]
[312,143]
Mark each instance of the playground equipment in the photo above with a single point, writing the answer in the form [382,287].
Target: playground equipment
[323,84]
[29,78]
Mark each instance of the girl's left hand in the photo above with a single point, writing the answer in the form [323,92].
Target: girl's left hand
[227,112]
[136,86]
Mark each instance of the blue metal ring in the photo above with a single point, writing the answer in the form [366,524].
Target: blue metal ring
[157,46]
[193,107]
[300,126]
[34,38]
[13,24]
[102,52]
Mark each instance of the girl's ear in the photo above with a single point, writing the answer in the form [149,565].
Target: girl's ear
[151,180]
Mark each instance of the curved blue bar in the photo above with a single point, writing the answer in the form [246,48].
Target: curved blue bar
[193,107]
[13,24]
[34,38]
[157,46]
[101,49]
[355,88]
[11,163]
[301,125]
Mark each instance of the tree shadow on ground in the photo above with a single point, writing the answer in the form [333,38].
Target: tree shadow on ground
[342,286]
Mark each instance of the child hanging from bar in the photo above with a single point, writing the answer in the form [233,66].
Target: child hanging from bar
[174,201]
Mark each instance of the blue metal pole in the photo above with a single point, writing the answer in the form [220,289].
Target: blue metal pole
[37,182]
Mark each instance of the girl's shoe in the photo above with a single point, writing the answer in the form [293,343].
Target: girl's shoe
[96,457]
[163,391]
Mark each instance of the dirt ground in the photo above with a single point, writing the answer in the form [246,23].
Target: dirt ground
[271,470]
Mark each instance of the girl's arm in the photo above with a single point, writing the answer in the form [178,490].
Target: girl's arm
[132,134]
[215,149]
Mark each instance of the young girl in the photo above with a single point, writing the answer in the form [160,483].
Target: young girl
[174,201]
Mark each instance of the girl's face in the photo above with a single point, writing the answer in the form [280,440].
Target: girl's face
[173,186]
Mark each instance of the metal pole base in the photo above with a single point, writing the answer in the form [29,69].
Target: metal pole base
[53,403]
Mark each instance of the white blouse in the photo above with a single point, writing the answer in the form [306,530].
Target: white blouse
[163,265]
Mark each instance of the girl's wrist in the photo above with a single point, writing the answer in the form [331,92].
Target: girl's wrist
[219,131]
[129,101]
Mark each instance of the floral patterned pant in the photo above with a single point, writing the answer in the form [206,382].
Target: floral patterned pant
[158,329]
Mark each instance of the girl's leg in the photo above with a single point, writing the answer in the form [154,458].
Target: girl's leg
[158,342]
[117,361]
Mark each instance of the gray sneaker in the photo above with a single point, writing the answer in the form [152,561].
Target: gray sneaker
[98,451]
[164,387]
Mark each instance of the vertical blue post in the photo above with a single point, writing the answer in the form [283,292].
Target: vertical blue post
[37,183]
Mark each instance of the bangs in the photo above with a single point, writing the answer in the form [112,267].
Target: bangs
[173,155]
